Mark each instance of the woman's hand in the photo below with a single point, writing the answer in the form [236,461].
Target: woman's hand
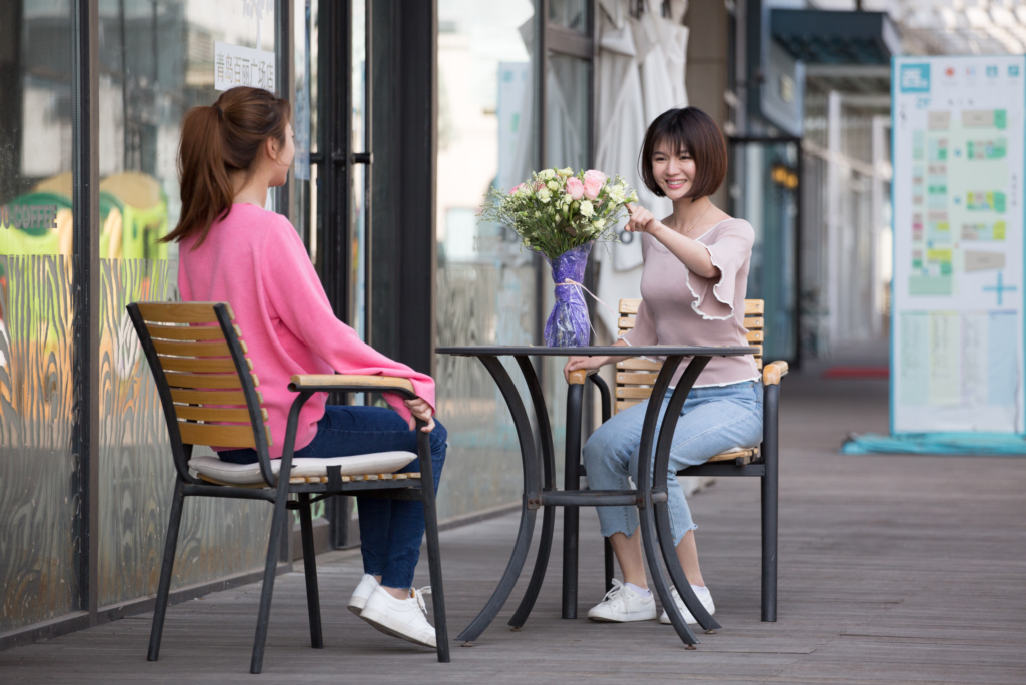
[583,364]
[420,410]
[642,220]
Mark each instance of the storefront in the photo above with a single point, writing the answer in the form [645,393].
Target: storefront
[94,92]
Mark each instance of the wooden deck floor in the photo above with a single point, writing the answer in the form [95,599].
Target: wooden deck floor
[892,570]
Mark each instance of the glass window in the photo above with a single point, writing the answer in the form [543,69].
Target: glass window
[571,14]
[568,122]
[486,286]
[158,59]
[39,475]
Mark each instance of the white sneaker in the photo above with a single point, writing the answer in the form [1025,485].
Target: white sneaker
[704,597]
[622,604]
[402,618]
[358,601]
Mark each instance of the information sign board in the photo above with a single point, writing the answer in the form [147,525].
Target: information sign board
[957,306]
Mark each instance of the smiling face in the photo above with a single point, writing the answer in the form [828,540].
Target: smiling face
[673,171]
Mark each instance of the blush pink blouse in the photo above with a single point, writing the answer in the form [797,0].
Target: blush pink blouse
[682,308]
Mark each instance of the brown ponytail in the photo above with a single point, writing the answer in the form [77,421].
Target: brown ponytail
[216,140]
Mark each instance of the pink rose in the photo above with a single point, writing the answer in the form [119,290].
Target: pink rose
[593,182]
[522,185]
[575,188]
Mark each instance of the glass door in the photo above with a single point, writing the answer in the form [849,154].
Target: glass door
[765,184]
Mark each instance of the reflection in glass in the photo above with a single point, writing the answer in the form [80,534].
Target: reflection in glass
[571,14]
[486,286]
[40,486]
[567,93]
[157,59]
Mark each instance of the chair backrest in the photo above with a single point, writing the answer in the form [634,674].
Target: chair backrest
[635,377]
[206,384]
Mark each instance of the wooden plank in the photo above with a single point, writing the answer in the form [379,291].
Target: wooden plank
[633,393]
[754,322]
[625,323]
[210,415]
[754,336]
[758,349]
[629,306]
[216,436]
[184,332]
[194,350]
[200,365]
[747,455]
[209,382]
[257,486]
[638,364]
[229,398]
[754,307]
[369,382]
[625,404]
[636,378]
[181,312]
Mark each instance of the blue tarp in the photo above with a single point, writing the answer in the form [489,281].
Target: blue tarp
[871,443]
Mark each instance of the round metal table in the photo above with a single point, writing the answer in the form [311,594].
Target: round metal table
[540,484]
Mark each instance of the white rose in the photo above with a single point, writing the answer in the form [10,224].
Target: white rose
[544,195]
[566,172]
[598,223]
[553,185]
[546,174]
[587,209]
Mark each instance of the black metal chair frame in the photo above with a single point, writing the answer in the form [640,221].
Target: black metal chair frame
[277,493]
[765,467]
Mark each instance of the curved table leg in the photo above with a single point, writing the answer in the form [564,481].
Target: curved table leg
[648,523]
[528,515]
[662,509]
[548,483]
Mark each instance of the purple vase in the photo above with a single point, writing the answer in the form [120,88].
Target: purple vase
[568,324]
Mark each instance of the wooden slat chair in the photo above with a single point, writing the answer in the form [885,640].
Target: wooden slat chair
[634,380]
[208,390]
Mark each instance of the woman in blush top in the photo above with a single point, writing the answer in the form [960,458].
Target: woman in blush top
[693,290]
[233,250]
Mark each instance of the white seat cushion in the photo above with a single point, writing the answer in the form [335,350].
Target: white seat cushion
[249,474]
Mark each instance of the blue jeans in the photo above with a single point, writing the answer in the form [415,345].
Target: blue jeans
[390,530]
[712,421]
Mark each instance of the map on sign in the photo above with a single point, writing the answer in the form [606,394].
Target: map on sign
[957,310]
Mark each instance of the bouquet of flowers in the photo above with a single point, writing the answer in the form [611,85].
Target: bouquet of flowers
[561,215]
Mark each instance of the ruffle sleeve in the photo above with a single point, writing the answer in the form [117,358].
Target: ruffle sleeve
[714,297]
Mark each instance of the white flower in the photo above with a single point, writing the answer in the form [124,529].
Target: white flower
[633,197]
[598,223]
[546,174]
[553,185]
[568,199]
[544,195]
[616,194]
[587,209]
[566,172]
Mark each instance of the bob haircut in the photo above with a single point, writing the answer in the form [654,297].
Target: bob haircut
[692,130]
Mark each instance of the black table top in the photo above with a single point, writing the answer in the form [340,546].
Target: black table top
[619,351]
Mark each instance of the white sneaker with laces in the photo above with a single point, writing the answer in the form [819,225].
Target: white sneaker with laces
[358,601]
[402,618]
[704,597]
[622,604]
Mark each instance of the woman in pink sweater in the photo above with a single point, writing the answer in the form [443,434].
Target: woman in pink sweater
[233,250]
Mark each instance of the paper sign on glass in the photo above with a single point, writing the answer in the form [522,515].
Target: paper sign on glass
[235,65]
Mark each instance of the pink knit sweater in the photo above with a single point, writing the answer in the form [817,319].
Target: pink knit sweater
[254,260]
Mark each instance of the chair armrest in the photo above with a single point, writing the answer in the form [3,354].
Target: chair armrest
[773,372]
[336,383]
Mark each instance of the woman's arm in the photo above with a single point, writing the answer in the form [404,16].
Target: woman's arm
[692,253]
[297,297]
[590,363]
